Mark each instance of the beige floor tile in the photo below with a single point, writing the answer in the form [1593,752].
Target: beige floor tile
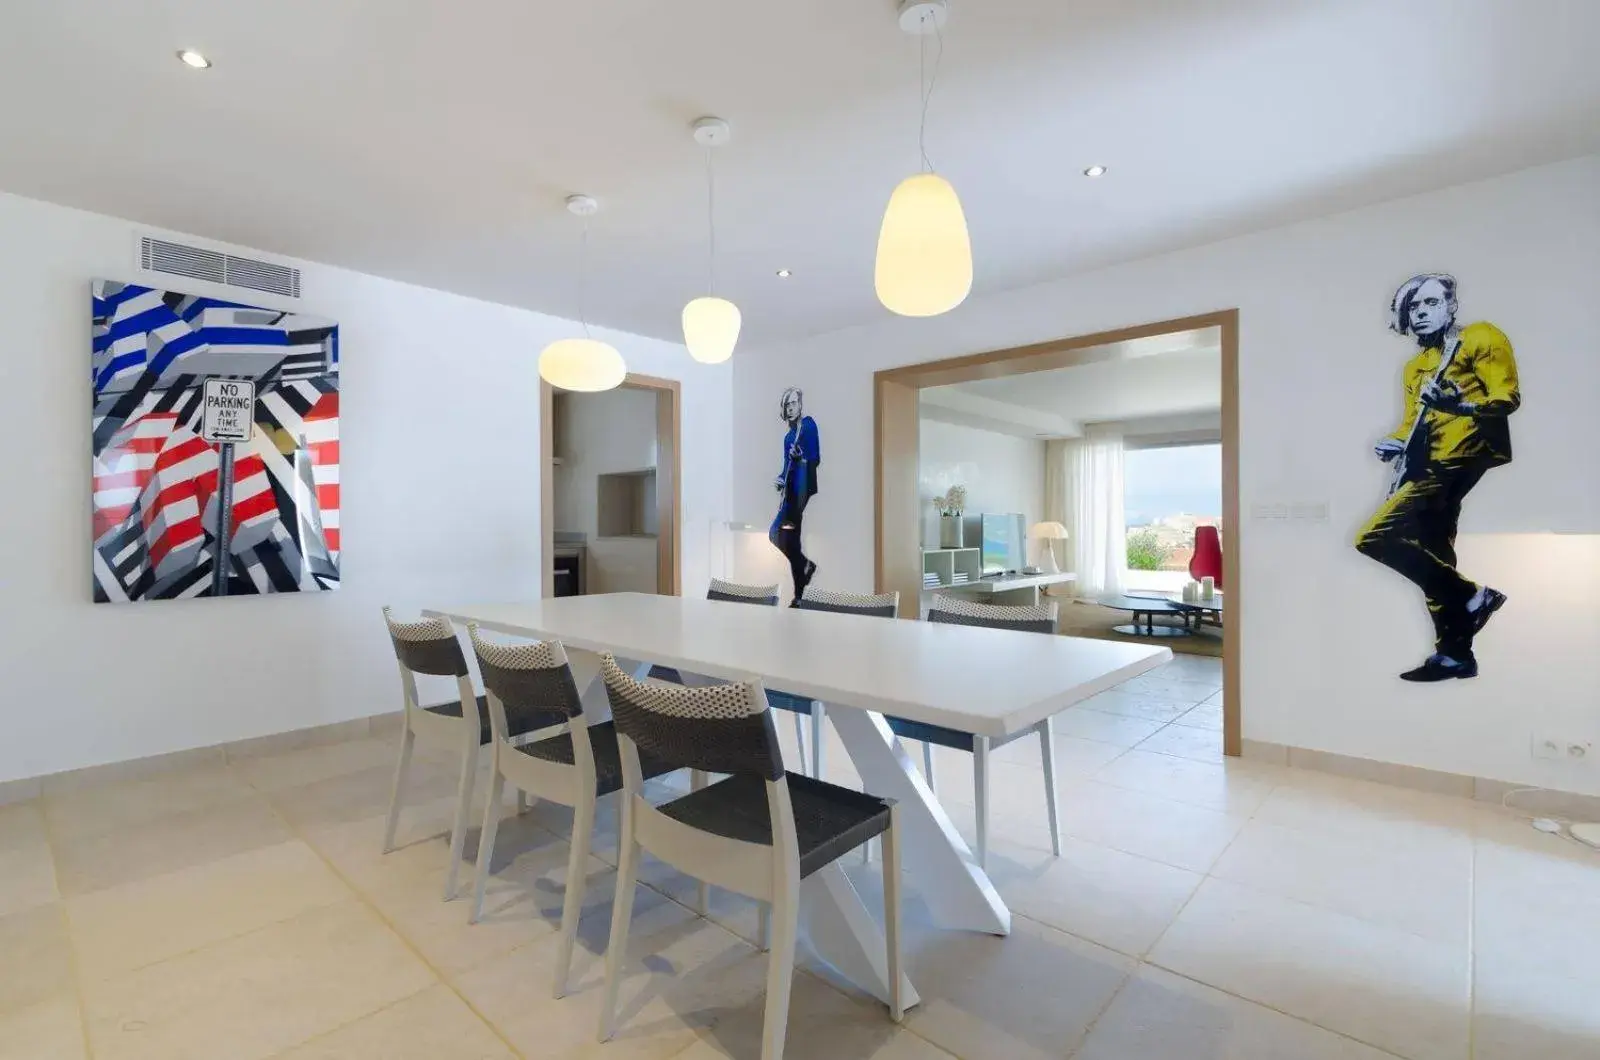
[1183,686]
[91,811]
[1527,1010]
[1139,705]
[47,1030]
[433,1025]
[1532,901]
[1160,1016]
[680,972]
[1379,815]
[365,793]
[27,868]
[1380,986]
[1074,756]
[1183,741]
[823,1024]
[1423,892]
[1118,900]
[1029,996]
[1147,825]
[1230,786]
[522,901]
[1207,715]
[256,995]
[119,929]
[35,956]
[1088,724]
[355,847]
[308,765]
[167,844]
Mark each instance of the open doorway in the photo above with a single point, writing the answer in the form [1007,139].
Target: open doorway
[1128,438]
[611,488]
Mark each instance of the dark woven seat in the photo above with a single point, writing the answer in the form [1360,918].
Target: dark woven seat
[830,821]
[607,757]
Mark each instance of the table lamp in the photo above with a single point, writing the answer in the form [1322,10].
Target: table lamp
[1048,533]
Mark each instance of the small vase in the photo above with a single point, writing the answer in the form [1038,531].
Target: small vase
[950,531]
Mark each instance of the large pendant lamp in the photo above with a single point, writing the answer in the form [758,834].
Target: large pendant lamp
[586,365]
[924,265]
[711,324]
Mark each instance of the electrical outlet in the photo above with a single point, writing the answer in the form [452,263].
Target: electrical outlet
[1549,747]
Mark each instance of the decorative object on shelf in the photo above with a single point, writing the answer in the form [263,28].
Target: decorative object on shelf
[1208,588]
[711,324]
[924,262]
[1459,389]
[1191,592]
[796,484]
[587,364]
[951,507]
[215,447]
[1047,533]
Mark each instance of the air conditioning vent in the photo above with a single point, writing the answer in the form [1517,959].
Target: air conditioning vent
[198,263]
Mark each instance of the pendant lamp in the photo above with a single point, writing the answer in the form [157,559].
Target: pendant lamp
[711,324]
[924,264]
[586,365]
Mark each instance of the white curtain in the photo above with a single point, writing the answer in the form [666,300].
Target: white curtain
[1090,470]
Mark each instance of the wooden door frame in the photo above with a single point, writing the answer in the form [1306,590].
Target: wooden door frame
[895,442]
[669,481]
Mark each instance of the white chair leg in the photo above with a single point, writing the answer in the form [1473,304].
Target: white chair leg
[577,881]
[766,926]
[800,741]
[522,802]
[819,713]
[458,833]
[780,973]
[702,893]
[980,787]
[491,825]
[402,767]
[927,767]
[621,914]
[1047,747]
[891,911]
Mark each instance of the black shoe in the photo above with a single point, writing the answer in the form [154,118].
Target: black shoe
[1492,602]
[1442,668]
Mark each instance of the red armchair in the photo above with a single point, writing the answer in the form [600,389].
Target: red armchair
[1207,560]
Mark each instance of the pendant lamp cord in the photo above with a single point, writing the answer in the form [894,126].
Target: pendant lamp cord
[925,86]
[711,224]
[583,278]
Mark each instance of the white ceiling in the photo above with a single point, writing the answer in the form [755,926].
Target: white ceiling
[1149,379]
[434,141]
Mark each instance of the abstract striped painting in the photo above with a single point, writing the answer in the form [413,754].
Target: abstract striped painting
[157,482]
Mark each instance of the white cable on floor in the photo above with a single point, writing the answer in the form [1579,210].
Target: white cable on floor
[1582,833]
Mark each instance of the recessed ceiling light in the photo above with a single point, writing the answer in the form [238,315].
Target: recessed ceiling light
[1095,171]
[190,57]
[784,274]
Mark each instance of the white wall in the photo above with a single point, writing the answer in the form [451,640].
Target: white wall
[439,501]
[601,433]
[1002,473]
[1325,630]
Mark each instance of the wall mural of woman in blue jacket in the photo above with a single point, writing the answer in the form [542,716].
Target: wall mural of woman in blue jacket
[802,452]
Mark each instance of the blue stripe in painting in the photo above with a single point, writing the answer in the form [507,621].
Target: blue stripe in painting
[117,365]
[179,346]
[221,336]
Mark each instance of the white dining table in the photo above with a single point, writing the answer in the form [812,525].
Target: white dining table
[984,681]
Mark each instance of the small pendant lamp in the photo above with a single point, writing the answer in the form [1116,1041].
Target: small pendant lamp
[586,365]
[924,264]
[711,324]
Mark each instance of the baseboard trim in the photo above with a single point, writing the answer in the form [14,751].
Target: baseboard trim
[1569,804]
[26,788]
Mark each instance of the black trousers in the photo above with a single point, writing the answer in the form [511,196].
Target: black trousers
[785,535]
[1414,534]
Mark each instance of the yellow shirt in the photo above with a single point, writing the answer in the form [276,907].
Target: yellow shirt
[1486,372]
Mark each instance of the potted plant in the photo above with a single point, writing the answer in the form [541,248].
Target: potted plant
[950,508]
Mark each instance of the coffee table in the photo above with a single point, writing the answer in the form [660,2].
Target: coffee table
[1202,608]
[1149,607]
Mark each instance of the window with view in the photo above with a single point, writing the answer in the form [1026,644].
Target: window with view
[1167,492]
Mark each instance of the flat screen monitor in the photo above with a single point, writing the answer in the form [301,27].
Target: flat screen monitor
[1002,543]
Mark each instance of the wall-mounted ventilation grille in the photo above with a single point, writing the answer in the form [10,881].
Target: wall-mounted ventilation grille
[180,259]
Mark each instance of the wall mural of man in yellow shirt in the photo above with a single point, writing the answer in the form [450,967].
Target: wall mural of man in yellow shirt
[1460,389]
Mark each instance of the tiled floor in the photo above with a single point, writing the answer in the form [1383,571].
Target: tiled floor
[1199,909]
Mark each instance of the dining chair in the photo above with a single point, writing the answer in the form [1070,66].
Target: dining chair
[954,610]
[430,647]
[800,706]
[529,688]
[758,831]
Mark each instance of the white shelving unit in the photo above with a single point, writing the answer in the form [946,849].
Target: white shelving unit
[945,562]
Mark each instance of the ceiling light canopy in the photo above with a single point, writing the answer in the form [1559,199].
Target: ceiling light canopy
[784,274]
[586,365]
[192,58]
[711,324]
[924,264]
[1095,171]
